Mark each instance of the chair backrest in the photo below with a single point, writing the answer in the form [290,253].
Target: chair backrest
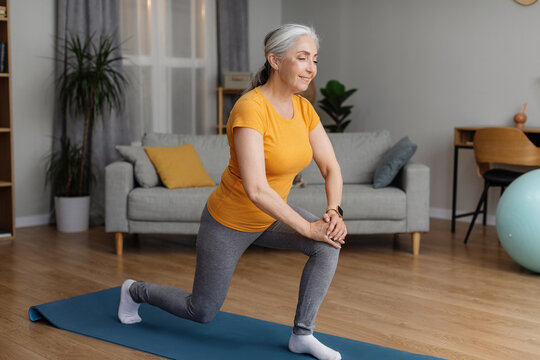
[504,145]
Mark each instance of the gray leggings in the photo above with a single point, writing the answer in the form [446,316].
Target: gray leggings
[218,250]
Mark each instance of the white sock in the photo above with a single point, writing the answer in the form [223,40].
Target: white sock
[128,310]
[308,344]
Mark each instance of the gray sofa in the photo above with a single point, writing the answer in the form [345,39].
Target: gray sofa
[402,207]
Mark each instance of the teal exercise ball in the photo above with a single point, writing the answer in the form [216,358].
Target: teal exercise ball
[518,220]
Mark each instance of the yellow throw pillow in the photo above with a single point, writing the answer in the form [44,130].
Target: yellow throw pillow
[179,166]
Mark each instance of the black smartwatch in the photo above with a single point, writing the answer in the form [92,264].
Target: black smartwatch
[337,209]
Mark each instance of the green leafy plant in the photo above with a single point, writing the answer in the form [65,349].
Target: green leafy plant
[335,95]
[63,168]
[90,85]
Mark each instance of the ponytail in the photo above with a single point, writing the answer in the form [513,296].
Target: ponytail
[261,76]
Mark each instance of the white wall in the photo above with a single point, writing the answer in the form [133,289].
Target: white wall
[32,25]
[423,67]
[327,18]
[264,16]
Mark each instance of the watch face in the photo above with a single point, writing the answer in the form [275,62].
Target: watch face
[340,210]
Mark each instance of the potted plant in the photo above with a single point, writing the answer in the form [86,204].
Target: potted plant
[334,96]
[63,172]
[90,85]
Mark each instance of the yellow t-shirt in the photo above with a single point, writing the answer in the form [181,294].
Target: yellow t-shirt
[287,151]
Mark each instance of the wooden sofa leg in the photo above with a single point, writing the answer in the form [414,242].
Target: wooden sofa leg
[119,242]
[415,237]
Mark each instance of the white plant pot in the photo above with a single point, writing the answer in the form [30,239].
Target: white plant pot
[72,213]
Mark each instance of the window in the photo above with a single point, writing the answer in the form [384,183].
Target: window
[169,46]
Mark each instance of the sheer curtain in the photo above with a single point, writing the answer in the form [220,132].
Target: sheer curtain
[170,51]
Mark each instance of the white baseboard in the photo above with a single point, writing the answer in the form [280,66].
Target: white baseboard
[34,220]
[439,213]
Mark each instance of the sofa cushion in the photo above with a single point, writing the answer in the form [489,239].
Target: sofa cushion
[360,201]
[213,150]
[162,204]
[179,166]
[144,170]
[392,161]
[357,153]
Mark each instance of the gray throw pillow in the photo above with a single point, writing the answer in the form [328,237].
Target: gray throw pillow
[392,161]
[145,172]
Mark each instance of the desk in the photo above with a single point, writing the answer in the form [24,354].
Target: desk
[463,139]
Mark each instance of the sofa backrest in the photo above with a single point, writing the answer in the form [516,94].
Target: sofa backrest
[213,150]
[357,154]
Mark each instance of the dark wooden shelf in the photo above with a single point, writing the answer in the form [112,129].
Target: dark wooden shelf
[233,91]
[7,191]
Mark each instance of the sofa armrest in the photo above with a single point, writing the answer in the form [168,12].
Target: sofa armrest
[414,180]
[119,182]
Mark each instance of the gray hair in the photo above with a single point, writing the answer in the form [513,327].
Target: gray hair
[277,42]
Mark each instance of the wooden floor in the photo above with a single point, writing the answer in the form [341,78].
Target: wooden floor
[455,301]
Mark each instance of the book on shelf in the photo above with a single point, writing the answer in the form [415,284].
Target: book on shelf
[3,56]
[3,12]
[5,235]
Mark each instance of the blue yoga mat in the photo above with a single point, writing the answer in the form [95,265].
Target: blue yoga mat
[228,336]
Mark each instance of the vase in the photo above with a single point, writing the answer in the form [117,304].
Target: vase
[520,119]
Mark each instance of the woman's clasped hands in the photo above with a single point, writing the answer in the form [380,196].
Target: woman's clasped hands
[330,229]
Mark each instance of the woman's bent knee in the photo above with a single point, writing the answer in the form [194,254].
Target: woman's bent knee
[204,315]
[324,249]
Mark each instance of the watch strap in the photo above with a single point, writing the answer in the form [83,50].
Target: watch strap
[336,209]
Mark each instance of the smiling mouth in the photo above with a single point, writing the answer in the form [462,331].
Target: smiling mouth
[305,78]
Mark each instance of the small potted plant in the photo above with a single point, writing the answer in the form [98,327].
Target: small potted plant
[90,85]
[334,96]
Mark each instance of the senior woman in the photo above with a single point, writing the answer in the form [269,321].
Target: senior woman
[273,134]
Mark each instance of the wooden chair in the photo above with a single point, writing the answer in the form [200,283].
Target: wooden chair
[500,145]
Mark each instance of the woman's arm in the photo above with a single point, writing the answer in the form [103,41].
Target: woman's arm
[324,156]
[249,148]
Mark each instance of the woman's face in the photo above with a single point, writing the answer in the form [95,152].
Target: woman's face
[299,64]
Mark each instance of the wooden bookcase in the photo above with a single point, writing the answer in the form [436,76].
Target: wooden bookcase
[7,191]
